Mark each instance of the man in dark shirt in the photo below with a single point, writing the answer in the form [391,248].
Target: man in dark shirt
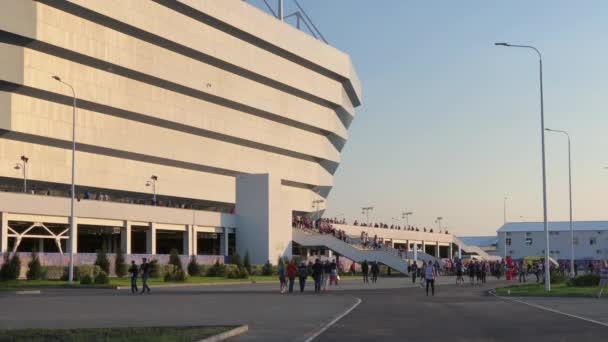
[134,272]
[375,271]
[317,273]
[145,273]
[365,271]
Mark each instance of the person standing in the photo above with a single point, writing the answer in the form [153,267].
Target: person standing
[291,274]
[414,271]
[333,275]
[281,272]
[326,274]
[145,273]
[375,271]
[471,269]
[365,271]
[134,270]
[603,278]
[522,272]
[352,268]
[302,275]
[459,279]
[317,273]
[430,273]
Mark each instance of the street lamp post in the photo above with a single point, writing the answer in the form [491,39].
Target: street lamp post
[542,134]
[438,221]
[73,187]
[152,183]
[365,211]
[570,198]
[405,215]
[504,209]
[23,165]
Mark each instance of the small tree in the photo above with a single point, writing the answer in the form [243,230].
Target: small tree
[102,261]
[175,260]
[35,270]
[119,264]
[267,269]
[193,268]
[247,263]
[236,260]
[11,267]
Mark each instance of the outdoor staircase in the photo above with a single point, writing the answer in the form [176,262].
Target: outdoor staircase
[472,249]
[310,239]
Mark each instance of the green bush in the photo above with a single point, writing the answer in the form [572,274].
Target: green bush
[86,280]
[175,260]
[217,270]
[155,271]
[268,269]
[11,268]
[586,280]
[175,275]
[558,278]
[203,269]
[119,264]
[54,272]
[35,271]
[102,278]
[256,270]
[236,260]
[193,268]
[247,263]
[77,276]
[102,261]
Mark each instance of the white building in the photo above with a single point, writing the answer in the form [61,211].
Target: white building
[230,109]
[528,239]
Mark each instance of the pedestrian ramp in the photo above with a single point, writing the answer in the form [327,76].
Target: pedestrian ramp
[310,239]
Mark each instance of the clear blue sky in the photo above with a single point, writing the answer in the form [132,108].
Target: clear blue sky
[450,123]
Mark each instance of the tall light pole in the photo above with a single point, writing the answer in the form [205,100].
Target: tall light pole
[405,216]
[542,135]
[504,209]
[438,221]
[73,187]
[152,183]
[23,165]
[365,211]
[570,198]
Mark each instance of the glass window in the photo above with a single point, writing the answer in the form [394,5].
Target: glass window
[508,241]
[529,241]
[592,241]
[528,234]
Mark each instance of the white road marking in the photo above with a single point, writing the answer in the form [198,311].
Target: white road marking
[550,310]
[334,321]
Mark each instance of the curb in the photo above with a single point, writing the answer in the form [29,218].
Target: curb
[227,334]
[28,292]
[198,285]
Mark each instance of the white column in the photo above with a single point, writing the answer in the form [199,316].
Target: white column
[329,253]
[459,252]
[3,232]
[186,246]
[450,251]
[125,238]
[75,241]
[194,239]
[423,246]
[226,240]
[437,254]
[415,252]
[151,239]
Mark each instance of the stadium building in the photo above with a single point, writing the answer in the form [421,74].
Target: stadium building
[200,125]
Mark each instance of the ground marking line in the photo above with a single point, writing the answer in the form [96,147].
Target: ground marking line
[334,321]
[550,310]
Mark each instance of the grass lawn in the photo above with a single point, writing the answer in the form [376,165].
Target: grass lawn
[160,334]
[539,290]
[37,284]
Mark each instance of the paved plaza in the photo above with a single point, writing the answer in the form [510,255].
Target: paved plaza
[391,309]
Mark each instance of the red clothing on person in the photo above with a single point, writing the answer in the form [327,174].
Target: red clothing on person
[291,270]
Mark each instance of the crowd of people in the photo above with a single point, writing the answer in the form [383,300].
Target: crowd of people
[324,275]
[321,225]
[398,227]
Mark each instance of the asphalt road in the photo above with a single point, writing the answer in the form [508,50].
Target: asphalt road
[456,314]
[392,310]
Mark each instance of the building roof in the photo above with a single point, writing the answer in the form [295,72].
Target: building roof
[553,226]
[480,241]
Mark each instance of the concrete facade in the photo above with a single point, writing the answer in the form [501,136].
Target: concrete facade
[197,93]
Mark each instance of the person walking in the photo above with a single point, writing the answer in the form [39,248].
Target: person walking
[352,268]
[134,270]
[292,270]
[375,271]
[281,272]
[333,275]
[365,271]
[471,269]
[603,278]
[302,275]
[430,273]
[326,274]
[522,272]
[414,271]
[459,279]
[145,273]
[317,274]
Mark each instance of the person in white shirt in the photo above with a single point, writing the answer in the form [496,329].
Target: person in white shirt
[430,273]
